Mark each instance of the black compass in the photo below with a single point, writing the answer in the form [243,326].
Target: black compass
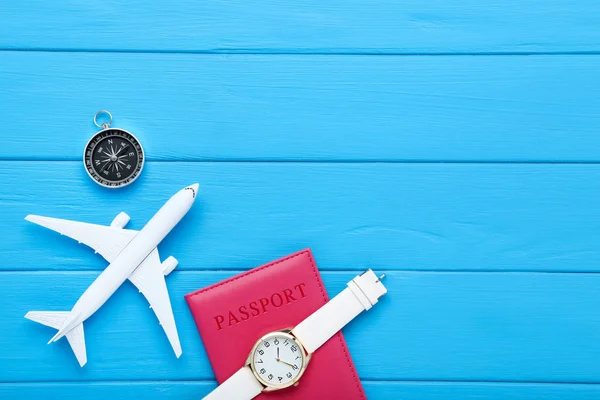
[113,157]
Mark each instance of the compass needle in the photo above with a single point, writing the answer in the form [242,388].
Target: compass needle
[123,147]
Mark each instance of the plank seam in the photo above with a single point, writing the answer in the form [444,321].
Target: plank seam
[399,381]
[324,161]
[329,270]
[302,52]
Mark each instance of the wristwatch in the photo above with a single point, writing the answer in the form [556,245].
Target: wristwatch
[278,359]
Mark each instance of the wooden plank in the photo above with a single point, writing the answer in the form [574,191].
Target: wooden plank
[194,390]
[382,26]
[524,217]
[531,327]
[315,108]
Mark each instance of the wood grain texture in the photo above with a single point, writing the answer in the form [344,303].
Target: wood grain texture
[375,390]
[529,327]
[382,26]
[524,217]
[306,108]
[451,144]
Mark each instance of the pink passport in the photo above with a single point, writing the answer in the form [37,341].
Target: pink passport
[232,315]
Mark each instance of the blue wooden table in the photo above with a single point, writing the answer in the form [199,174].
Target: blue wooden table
[452,145]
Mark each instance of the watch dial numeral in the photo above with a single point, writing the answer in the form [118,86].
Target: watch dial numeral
[293,348]
[294,367]
[289,375]
[267,344]
[270,376]
[259,361]
[280,378]
[261,352]
[275,342]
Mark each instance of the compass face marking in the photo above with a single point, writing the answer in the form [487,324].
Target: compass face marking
[113,158]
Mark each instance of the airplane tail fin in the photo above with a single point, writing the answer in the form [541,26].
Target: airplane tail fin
[56,319]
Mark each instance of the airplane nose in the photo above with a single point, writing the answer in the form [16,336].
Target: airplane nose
[194,189]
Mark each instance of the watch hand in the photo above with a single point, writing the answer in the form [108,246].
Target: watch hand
[286,363]
[277,353]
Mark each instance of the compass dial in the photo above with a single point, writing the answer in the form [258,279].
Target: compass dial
[113,158]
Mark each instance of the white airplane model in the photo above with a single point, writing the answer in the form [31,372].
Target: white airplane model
[132,255]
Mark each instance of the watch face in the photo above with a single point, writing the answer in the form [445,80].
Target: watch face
[278,360]
[113,158]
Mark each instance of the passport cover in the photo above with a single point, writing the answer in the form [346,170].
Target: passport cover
[232,315]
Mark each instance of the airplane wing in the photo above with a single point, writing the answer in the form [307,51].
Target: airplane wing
[150,281]
[105,240]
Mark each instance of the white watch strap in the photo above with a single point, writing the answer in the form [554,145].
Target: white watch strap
[361,294]
[242,385]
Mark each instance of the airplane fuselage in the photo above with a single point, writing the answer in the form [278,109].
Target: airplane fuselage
[129,259]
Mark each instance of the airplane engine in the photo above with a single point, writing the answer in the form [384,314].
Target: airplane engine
[120,220]
[169,265]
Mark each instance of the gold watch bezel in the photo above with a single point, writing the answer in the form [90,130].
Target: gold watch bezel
[294,382]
